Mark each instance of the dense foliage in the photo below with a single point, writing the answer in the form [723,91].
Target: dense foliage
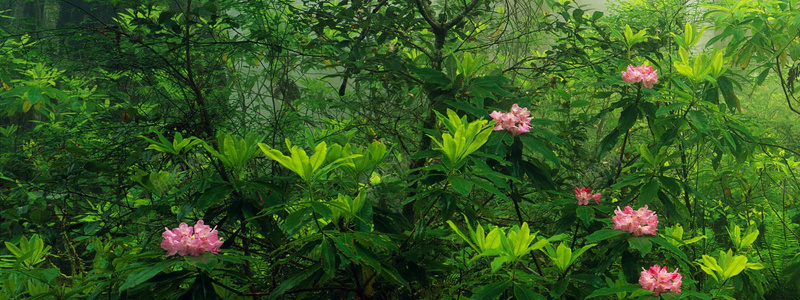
[399,149]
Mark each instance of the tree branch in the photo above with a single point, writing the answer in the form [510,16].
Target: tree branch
[459,17]
[425,10]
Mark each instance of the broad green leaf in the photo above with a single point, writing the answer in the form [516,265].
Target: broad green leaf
[563,257]
[584,213]
[641,243]
[648,192]
[498,262]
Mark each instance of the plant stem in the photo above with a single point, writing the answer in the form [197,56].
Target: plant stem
[720,289]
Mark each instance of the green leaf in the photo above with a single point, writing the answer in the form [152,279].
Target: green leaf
[664,110]
[295,220]
[460,185]
[648,192]
[428,75]
[603,234]
[538,146]
[563,257]
[524,293]
[207,261]
[645,152]
[294,280]
[748,240]
[608,142]
[143,275]
[628,117]
[328,256]
[670,247]
[34,95]
[584,213]
[203,288]
[580,252]
[490,291]
[641,243]
[487,186]
[733,266]
[322,209]
[726,87]
[498,262]
[460,234]
[699,120]
[628,288]
[213,196]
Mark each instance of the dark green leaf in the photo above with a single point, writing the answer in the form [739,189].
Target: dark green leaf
[648,192]
[34,94]
[213,195]
[322,209]
[641,243]
[460,185]
[538,146]
[670,247]
[603,234]
[584,213]
[432,76]
[328,256]
[522,292]
[613,290]
[726,87]
[628,117]
[140,276]
[294,280]
[490,291]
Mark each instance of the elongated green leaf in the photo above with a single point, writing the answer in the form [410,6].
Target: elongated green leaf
[580,252]
[648,192]
[603,234]
[536,145]
[735,266]
[563,257]
[670,247]
[628,288]
[524,293]
[140,276]
[490,291]
[460,185]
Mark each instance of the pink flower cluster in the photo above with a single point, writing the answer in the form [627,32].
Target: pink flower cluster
[658,280]
[644,74]
[584,194]
[638,222]
[191,240]
[517,121]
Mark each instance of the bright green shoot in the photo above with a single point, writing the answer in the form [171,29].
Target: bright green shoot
[727,267]
[466,138]
[309,168]
[563,257]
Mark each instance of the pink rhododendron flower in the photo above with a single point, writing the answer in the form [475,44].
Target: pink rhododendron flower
[191,240]
[643,73]
[584,194]
[638,222]
[658,280]
[516,121]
